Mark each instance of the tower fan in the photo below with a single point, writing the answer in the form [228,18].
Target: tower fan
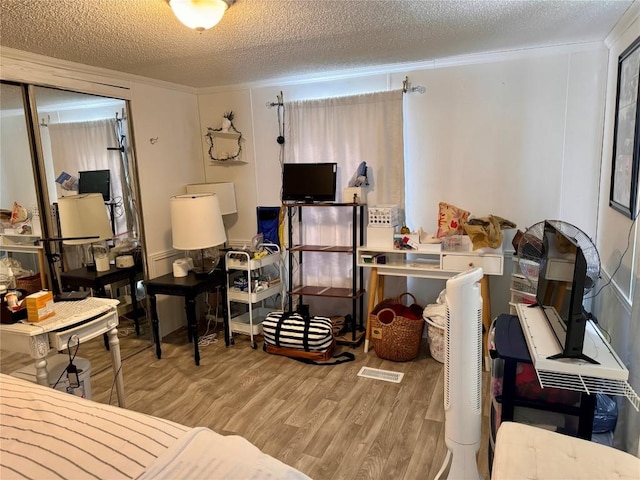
[462,375]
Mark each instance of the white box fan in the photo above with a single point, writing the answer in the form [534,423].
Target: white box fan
[463,375]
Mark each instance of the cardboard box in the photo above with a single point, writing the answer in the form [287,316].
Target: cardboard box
[349,193]
[39,306]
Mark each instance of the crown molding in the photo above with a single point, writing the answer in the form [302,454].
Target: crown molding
[20,66]
[630,16]
[407,67]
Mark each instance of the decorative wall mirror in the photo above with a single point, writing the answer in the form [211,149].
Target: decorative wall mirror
[224,142]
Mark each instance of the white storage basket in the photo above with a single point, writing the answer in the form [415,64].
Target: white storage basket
[437,344]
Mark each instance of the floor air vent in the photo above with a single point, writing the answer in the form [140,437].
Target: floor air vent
[376,373]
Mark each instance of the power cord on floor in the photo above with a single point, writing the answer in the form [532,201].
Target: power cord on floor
[113,384]
[209,338]
[71,370]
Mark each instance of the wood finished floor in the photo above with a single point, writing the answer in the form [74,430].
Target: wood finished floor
[323,420]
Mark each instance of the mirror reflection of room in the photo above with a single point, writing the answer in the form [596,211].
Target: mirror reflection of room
[73,146]
[21,262]
[84,146]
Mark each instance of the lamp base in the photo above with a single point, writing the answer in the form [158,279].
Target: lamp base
[200,272]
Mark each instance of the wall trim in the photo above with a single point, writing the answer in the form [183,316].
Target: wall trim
[21,66]
[625,302]
[487,57]
[631,15]
[156,261]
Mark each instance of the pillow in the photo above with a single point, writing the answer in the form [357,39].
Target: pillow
[19,213]
[450,220]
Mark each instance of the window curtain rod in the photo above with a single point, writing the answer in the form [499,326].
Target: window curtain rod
[408,88]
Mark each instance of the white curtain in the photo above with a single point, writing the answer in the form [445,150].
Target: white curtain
[345,130]
[80,146]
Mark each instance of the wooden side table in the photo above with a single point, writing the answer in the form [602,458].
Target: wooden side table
[188,287]
[81,277]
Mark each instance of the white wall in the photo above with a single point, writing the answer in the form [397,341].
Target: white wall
[515,135]
[168,153]
[617,305]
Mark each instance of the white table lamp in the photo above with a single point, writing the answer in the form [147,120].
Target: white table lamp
[84,221]
[196,224]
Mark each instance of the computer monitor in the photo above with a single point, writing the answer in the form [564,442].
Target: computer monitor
[95,181]
[309,182]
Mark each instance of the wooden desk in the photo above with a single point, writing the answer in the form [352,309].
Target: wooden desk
[81,277]
[188,287]
[82,320]
[433,263]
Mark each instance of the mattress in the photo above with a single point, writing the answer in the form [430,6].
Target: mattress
[526,452]
[45,433]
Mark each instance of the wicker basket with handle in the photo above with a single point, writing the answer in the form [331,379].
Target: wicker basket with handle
[394,336]
[30,284]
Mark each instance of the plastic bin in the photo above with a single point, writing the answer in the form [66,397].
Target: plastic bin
[56,364]
[435,335]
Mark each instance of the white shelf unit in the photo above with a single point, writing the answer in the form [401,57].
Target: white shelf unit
[522,289]
[27,244]
[259,287]
[609,376]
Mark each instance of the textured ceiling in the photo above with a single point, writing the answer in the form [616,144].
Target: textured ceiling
[265,39]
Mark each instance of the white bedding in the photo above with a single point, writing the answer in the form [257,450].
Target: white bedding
[45,433]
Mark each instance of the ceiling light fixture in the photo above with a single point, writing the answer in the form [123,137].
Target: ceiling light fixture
[200,14]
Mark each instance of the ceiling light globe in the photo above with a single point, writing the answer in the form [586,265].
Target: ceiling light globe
[199,14]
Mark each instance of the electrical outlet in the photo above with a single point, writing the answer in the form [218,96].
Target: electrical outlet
[210,318]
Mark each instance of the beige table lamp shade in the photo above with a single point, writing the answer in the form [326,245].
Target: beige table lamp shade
[84,216]
[196,222]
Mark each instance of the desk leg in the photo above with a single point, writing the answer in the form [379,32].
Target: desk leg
[486,318]
[585,418]
[155,325]
[225,315]
[192,325]
[42,374]
[114,342]
[373,288]
[134,302]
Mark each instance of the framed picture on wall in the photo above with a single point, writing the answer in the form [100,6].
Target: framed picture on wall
[626,141]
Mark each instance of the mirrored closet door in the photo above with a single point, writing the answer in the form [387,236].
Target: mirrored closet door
[58,144]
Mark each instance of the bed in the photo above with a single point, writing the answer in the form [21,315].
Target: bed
[45,433]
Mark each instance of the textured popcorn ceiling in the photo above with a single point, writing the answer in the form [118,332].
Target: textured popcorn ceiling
[266,39]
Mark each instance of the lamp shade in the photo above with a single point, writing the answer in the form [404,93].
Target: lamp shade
[224,190]
[196,222]
[84,216]
[199,14]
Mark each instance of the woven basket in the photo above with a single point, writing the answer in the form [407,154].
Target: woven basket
[30,284]
[398,340]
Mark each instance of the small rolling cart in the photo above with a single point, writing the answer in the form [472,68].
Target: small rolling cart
[253,279]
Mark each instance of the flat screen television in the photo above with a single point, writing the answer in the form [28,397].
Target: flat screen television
[561,285]
[95,181]
[309,182]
